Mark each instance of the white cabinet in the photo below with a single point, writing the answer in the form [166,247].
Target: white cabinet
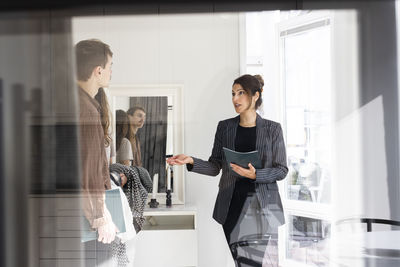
[54,232]
[168,238]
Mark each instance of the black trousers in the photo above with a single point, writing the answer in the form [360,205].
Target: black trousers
[246,228]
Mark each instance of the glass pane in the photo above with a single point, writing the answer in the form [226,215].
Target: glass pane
[308,240]
[307,81]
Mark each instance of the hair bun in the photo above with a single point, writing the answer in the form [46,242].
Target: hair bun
[260,80]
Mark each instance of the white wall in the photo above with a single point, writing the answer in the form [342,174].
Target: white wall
[262,46]
[121,102]
[200,51]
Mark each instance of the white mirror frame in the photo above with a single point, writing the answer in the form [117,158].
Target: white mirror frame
[170,90]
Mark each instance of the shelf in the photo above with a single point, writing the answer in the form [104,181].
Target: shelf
[177,217]
[171,222]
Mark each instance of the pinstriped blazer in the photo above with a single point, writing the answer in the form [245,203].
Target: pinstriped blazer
[271,147]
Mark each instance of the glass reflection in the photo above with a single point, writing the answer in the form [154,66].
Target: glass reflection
[149,133]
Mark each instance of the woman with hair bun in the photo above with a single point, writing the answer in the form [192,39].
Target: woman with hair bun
[248,204]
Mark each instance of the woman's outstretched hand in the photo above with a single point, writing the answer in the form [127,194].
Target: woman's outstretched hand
[180,160]
[249,173]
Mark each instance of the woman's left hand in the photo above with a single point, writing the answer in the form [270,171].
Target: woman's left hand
[249,173]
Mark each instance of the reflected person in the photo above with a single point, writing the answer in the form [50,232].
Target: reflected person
[123,145]
[93,60]
[248,204]
[137,117]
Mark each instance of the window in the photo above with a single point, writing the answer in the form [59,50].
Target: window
[308,240]
[305,60]
[307,89]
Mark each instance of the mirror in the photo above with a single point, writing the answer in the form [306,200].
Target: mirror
[156,114]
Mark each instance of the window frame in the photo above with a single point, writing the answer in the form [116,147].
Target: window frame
[321,211]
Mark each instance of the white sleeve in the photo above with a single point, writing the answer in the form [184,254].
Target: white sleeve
[125,150]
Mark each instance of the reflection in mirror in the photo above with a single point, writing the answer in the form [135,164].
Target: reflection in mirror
[152,132]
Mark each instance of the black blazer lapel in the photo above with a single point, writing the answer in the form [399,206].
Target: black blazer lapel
[260,137]
[231,132]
